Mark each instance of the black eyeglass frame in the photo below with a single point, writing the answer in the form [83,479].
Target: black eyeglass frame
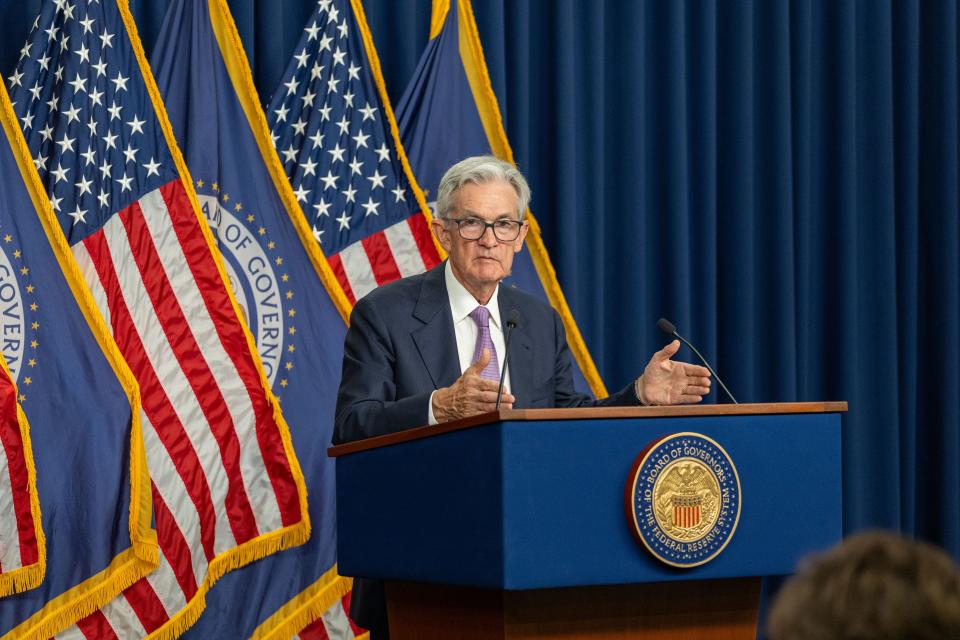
[512,224]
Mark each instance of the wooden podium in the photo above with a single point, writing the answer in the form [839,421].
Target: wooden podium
[512,524]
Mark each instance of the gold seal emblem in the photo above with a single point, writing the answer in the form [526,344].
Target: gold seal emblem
[686,499]
[683,499]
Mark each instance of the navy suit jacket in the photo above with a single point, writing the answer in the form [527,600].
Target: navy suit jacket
[401,346]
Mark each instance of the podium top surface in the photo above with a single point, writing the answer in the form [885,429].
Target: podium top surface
[588,413]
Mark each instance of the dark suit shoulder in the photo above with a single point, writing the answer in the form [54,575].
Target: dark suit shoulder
[533,311]
[397,295]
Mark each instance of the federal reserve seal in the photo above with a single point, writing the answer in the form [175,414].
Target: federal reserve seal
[683,499]
[258,279]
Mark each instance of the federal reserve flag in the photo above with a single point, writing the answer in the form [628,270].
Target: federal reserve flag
[287,293]
[82,404]
[449,112]
[226,486]
[334,129]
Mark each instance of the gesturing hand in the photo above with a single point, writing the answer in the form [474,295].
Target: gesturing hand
[665,381]
[470,394]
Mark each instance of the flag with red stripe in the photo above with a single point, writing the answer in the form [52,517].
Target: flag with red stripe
[335,624]
[289,295]
[333,127]
[22,545]
[226,486]
[80,398]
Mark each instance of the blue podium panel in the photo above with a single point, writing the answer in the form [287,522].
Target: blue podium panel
[531,504]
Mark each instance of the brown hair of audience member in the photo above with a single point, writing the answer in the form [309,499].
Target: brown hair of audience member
[873,586]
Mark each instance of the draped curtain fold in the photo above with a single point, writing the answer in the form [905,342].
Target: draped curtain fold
[780,179]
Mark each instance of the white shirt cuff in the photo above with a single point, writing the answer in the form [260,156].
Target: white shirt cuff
[431,419]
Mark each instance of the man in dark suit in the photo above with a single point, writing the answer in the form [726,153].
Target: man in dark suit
[429,348]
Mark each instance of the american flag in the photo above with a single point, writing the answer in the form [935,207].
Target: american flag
[334,130]
[226,487]
[334,623]
[89,452]
[286,289]
[22,547]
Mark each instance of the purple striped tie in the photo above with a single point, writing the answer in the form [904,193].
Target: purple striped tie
[481,315]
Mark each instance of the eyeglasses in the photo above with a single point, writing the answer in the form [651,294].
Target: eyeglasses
[473,228]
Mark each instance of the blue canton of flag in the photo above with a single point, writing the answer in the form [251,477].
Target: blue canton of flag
[335,133]
[277,272]
[95,140]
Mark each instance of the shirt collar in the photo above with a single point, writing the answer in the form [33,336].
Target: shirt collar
[462,301]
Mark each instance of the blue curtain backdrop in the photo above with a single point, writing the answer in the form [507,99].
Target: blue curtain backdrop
[780,179]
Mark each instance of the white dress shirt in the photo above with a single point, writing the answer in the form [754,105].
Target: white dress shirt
[462,303]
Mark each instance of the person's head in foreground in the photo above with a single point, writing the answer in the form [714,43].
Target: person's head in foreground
[873,586]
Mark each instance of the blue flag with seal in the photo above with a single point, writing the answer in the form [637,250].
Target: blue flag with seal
[284,287]
[449,112]
[81,400]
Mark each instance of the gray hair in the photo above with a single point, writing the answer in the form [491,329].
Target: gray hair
[480,170]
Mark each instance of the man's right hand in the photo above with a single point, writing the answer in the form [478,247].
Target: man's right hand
[470,394]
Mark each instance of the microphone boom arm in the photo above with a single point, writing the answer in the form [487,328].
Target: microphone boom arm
[707,364]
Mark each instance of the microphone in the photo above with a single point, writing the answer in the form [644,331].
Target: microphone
[513,319]
[667,327]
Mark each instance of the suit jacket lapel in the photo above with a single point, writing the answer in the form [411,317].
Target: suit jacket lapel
[520,354]
[436,340]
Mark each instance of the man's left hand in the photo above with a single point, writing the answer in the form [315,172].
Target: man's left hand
[665,381]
